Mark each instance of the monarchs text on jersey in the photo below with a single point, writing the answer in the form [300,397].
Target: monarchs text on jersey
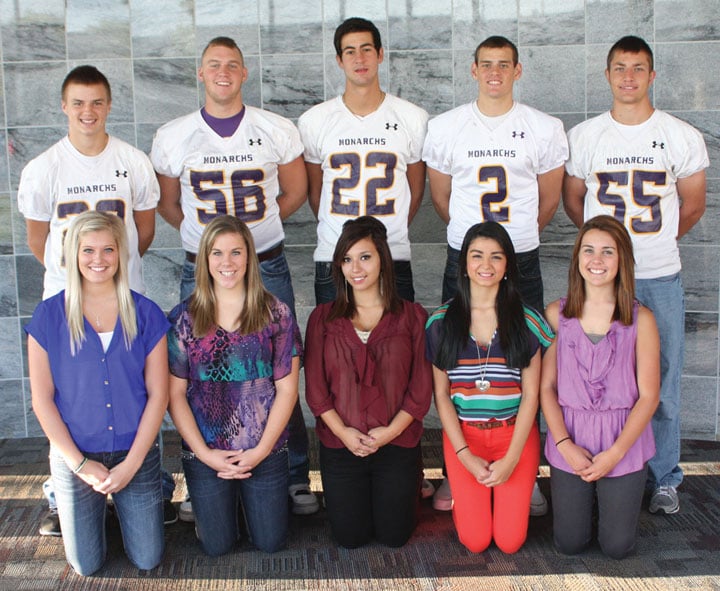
[237,175]
[364,163]
[62,183]
[631,173]
[494,171]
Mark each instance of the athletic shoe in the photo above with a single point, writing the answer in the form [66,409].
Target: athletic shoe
[170,515]
[304,501]
[186,512]
[538,502]
[50,524]
[442,499]
[664,499]
[427,489]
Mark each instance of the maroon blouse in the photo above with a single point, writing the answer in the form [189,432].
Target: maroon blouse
[368,384]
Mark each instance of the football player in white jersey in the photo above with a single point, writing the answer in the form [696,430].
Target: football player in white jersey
[87,169]
[231,158]
[496,160]
[646,168]
[363,157]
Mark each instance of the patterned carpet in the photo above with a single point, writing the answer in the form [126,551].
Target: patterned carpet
[675,552]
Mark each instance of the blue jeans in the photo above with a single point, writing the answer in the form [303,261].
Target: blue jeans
[82,513]
[530,283]
[325,287]
[666,298]
[215,504]
[276,278]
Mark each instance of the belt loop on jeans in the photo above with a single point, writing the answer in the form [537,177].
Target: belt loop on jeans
[492,424]
[271,253]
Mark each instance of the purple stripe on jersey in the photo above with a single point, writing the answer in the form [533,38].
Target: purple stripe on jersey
[223,127]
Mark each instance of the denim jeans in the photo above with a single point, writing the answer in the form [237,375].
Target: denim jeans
[325,287]
[215,504]
[82,513]
[372,497]
[276,278]
[530,284]
[665,297]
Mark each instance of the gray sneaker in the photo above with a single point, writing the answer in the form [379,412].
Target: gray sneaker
[665,499]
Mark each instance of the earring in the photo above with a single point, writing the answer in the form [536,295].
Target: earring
[505,278]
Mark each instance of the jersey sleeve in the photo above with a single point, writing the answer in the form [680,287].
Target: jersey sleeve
[576,164]
[555,151]
[418,131]
[159,154]
[309,136]
[436,152]
[147,189]
[694,156]
[287,137]
[34,197]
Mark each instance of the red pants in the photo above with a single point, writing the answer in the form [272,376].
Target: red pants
[482,514]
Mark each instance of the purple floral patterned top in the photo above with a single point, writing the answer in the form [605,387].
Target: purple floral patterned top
[231,376]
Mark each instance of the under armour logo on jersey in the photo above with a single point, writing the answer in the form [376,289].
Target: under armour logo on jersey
[121,173]
[391,126]
[257,141]
[660,145]
[520,134]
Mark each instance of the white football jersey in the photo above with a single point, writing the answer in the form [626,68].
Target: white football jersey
[236,175]
[631,173]
[364,162]
[494,171]
[61,183]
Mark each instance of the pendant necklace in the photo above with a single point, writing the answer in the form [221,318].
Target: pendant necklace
[483,384]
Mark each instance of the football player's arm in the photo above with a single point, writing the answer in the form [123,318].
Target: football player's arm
[315,179]
[440,188]
[549,190]
[169,206]
[416,180]
[573,195]
[692,190]
[293,187]
[145,224]
[37,233]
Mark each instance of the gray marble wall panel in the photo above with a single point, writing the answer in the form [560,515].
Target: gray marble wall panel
[98,29]
[150,51]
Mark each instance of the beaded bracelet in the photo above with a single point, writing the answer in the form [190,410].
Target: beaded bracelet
[80,466]
[461,449]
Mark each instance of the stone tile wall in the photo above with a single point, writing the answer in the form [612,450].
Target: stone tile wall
[149,51]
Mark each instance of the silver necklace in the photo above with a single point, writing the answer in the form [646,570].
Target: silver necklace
[483,384]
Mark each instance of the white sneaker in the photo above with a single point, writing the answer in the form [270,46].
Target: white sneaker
[427,489]
[538,502]
[185,512]
[442,499]
[304,501]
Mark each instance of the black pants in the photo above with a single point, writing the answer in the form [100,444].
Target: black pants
[619,501]
[372,497]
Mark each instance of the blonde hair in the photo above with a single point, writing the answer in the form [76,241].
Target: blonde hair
[255,314]
[86,223]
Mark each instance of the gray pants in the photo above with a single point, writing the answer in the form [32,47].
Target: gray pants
[619,500]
